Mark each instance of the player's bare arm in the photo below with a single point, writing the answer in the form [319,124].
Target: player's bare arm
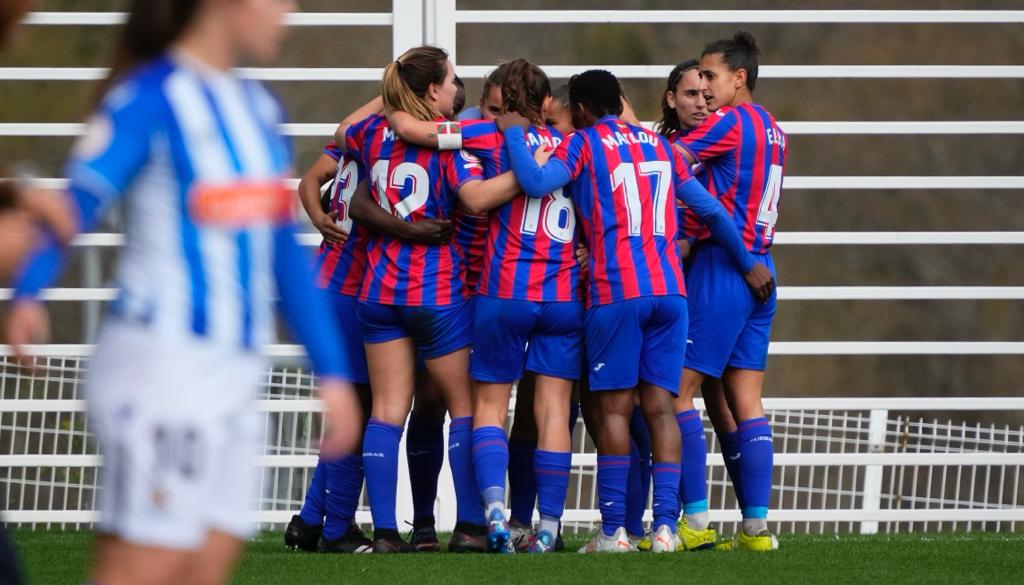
[432,232]
[309,194]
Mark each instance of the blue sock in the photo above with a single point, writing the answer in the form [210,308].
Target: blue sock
[636,503]
[693,486]
[612,473]
[521,483]
[460,459]
[312,512]
[552,469]
[344,483]
[756,454]
[380,463]
[424,450]
[666,494]
[490,461]
[731,456]
[574,416]
[640,435]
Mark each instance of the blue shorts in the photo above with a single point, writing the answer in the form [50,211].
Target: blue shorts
[436,331]
[345,311]
[636,340]
[510,335]
[728,327]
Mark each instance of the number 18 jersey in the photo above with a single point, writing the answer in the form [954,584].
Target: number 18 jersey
[530,251]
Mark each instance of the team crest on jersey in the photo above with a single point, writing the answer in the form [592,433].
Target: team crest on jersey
[470,161]
[240,205]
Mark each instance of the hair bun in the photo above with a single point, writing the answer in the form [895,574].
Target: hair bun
[747,40]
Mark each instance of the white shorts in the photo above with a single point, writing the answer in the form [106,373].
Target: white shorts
[179,435]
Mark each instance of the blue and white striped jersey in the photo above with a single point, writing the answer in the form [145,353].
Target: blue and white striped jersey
[196,156]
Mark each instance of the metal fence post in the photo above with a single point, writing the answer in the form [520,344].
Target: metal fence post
[407,28]
[873,473]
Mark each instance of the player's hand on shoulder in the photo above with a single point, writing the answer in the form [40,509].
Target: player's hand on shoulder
[760,281]
[343,418]
[27,322]
[510,119]
[432,232]
[325,223]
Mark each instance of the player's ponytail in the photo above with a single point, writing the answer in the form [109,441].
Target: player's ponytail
[406,80]
[739,52]
[525,89]
[669,122]
[152,27]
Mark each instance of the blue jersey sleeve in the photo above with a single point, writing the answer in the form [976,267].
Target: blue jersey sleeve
[536,180]
[104,162]
[697,198]
[305,307]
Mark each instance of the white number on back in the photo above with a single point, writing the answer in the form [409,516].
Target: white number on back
[345,183]
[559,216]
[768,212]
[400,175]
[625,176]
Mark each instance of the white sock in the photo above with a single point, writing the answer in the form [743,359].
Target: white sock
[549,524]
[698,521]
[754,526]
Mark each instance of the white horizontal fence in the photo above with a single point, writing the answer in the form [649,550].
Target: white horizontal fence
[844,464]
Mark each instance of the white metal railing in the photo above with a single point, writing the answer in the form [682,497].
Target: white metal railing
[881,451]
[986,127]
[564,72]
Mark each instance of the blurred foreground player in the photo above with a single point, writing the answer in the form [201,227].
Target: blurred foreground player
[193,155]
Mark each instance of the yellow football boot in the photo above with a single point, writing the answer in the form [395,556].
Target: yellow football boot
[763,542]
[690,539]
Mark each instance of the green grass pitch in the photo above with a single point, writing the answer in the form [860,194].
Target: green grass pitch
[55,558]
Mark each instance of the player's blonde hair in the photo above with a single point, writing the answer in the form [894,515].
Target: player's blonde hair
[406,80]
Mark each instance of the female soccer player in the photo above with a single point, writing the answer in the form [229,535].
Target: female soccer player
[528,317]
[623,181]
[744,155]
[194,153]
[413,299]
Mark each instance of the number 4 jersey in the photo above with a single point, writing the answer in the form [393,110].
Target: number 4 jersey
[744,152]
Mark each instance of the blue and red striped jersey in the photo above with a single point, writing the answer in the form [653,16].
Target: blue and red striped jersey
[340,267]
[744,154]
[471,236]
[414,184]
[624,181]
[530,251]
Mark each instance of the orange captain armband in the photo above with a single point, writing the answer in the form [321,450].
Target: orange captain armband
[240,205]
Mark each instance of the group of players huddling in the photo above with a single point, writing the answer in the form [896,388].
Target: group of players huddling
[541,238]
[545,244]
